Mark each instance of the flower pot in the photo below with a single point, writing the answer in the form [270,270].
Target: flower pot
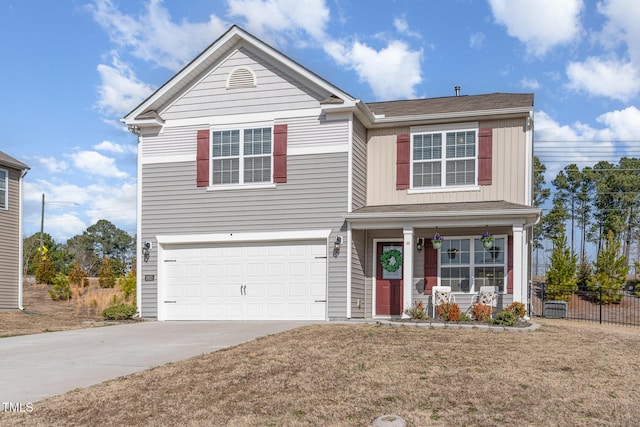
[487,243]
[437,244]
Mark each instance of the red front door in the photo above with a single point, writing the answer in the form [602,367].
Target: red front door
[389,278]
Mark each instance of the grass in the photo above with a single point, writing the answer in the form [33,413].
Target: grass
[346,375]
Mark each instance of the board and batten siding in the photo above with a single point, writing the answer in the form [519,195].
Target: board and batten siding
[9,244]
[509,159]
[274,90]
[314,197]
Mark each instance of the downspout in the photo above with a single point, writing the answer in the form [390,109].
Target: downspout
[23,173]
[349,209]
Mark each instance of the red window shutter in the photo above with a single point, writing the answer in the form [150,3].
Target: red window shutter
[510,265]
[485,150]
[403,147]
[430,268]
[202,158]
[280,153]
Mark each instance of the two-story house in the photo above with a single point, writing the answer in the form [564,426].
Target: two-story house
[12,172]
[265,192]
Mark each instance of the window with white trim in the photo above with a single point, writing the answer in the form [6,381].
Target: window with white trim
[241,156]
[4,189]
[465,265]
[444,158]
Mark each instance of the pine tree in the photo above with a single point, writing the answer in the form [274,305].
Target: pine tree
[106,275]
[561,277]
[610,272]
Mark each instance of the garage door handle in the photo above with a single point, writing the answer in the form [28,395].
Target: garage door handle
[320,300]
[243,289]
[170,302]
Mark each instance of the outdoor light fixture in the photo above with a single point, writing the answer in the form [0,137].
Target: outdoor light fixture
[146,248]
[336,246]
[420,244]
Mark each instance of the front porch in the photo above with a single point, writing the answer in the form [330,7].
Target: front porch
[392,248]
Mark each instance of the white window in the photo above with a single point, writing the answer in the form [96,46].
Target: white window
[4,189]
[241,156]
[444,158]
[465,265]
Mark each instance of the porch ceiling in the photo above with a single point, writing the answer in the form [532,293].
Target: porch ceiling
[462,214]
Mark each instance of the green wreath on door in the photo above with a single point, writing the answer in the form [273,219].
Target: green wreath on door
[387,256]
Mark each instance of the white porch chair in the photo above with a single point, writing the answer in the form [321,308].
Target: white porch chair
[487,295]
[441,295]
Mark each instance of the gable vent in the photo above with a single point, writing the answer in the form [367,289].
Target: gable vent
[241,78]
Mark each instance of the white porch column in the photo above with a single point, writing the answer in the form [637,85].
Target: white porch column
[519,260]
[407,269]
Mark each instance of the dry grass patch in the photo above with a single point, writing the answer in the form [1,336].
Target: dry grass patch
[346,375]
[42,314]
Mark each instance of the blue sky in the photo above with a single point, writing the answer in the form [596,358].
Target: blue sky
[73,68]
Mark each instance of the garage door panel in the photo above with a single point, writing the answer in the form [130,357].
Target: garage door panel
[246,281]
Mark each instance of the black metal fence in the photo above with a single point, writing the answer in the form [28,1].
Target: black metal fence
[593,305]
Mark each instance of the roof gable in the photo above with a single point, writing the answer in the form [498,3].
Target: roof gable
[213,54]
[8,161]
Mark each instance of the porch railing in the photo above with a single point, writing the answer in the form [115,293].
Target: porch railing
[592,305]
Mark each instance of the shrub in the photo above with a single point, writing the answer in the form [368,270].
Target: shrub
[45,271]
[481,312]
[464,317]
[505,318]
[60,288]
[417,312]
[449,312]
[106,276]
[128,285]
[119,312]
[518,309]
[77,276]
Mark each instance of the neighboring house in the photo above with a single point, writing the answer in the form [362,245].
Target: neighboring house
[12,172]
[265,192]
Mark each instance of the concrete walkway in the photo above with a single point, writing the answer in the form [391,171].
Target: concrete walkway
[33,367]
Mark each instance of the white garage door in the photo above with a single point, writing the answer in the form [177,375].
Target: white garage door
[274,281]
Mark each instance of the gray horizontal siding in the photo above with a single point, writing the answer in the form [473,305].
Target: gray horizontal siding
[9,244]
[314,197]
[359,165]
[275,91]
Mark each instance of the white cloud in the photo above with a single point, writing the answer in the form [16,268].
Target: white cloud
[153,36]
[611,78]
[112,147]
[622,25]
[622,125]
[272,19]
[539,24]
[97,164]
[52,164]
[476,40]
[71,208]
[402,26]
[392,72]
[120,90]
[529,84]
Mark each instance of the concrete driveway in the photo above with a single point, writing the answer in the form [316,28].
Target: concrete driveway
[33,367]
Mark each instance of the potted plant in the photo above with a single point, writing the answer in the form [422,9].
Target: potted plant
[436,241]
[487,240]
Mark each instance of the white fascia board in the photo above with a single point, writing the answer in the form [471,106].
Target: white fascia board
[457,115]
[443,219]
[270,236]
[239,119]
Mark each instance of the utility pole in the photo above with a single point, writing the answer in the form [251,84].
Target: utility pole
[42,225]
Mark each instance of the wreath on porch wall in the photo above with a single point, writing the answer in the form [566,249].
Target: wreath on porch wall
[391,260]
